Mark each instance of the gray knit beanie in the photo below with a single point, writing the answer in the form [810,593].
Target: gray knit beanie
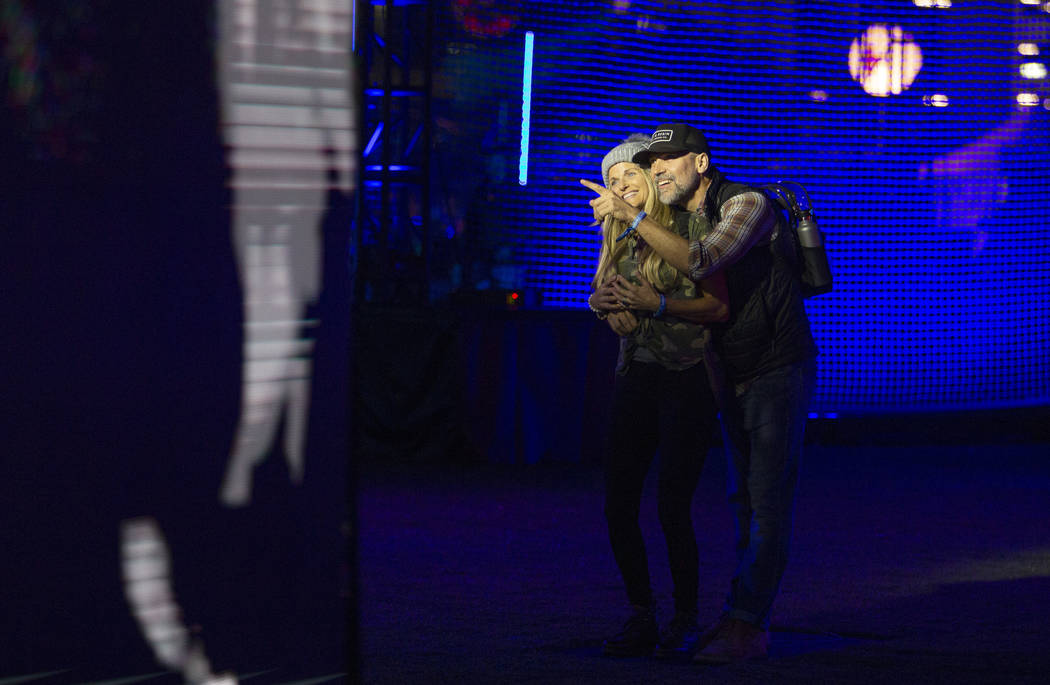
[635,143]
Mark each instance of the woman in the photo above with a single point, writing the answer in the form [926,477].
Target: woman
[662,399]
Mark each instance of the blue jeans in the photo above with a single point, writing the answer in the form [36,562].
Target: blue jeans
[764,427]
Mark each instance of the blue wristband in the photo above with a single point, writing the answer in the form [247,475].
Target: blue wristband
[634,225]
[662,309]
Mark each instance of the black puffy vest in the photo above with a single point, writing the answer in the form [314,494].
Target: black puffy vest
[768,327]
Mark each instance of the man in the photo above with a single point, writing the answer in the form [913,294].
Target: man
[769,357]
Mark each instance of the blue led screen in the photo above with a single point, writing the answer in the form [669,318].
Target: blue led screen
[932,199]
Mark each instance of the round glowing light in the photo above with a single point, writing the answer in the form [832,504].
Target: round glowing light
[884,60]
[923,3]
[1028,49]
[818,95]
[1027,99]
[944,3]
[1033,70]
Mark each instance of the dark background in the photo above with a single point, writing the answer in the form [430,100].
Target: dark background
[122,360]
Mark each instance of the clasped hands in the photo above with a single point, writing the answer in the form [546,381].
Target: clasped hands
[621,299]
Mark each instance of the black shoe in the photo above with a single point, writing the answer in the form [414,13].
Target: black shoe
[638,637]
[680,639]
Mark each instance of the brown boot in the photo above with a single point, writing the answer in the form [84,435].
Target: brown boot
[711,632]
[736,641]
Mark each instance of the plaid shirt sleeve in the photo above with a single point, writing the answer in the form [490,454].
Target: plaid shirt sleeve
[747,219]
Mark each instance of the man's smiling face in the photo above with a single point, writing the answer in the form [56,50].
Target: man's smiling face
[676,176]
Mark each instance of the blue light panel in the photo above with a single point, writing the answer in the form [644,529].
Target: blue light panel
[933,215]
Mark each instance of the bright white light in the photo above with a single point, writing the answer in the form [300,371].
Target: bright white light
[1028,49]
[923,3]
[943,3]
[1027,99]
[884,60]
[939,100]
[1030,2]
[1033,70]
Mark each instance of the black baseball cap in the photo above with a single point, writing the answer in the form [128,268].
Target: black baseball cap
[673,138]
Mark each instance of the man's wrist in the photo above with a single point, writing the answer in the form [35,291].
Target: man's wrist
[634,225]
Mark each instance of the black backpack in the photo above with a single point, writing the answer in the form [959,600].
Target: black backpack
[814,271]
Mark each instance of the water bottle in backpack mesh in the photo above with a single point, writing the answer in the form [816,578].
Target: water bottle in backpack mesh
[815,273]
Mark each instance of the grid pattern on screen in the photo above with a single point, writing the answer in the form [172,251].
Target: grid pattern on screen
[931,200]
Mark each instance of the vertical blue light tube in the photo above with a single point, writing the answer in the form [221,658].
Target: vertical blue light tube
[526,110]
[353,28]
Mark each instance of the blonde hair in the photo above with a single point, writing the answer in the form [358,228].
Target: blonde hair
[652,266]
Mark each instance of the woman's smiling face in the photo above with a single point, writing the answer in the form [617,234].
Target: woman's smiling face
[627,180]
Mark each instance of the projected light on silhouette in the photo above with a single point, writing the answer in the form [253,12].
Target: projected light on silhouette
[146,565]
[884,60]
[285,86]
[285,69]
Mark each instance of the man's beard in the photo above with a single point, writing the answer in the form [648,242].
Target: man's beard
[677,192]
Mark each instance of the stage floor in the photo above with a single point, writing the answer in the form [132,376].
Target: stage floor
[909,565]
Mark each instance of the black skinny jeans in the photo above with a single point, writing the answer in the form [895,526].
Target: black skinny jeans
[674,411]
